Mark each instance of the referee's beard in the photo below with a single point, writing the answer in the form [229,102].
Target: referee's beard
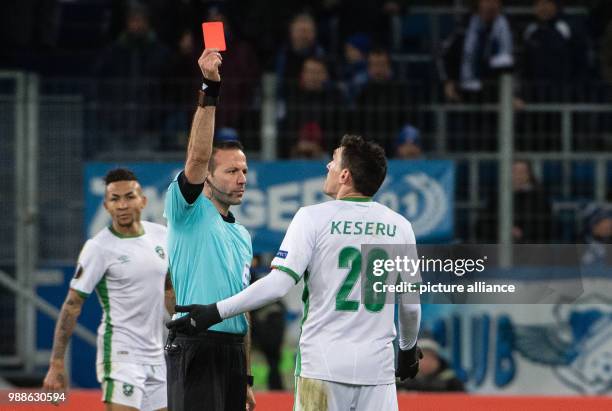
[222,197]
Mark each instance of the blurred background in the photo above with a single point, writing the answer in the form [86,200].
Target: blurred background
[497,116]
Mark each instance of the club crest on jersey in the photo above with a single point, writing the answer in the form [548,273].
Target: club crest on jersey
[128,389]
[282,254]
[78,271]
[160,252]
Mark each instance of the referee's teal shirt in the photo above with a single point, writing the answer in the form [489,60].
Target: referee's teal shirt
[209,257]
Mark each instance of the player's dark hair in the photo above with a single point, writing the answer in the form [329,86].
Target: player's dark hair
[366,161]
[222,145]
[119,174]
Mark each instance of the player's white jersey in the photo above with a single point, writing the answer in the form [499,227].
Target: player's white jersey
[342,339]
[128,274]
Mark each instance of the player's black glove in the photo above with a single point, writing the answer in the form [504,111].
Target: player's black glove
[408,363]
[199,318]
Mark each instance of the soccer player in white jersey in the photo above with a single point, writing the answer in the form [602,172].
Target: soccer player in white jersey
[346,358]
[126,264]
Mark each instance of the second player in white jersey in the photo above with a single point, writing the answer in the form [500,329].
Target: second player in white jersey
[126,265]
[121,270]
[342,339]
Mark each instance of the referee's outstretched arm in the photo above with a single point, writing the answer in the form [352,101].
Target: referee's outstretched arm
[199,148]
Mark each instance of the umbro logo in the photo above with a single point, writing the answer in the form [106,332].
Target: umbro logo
[124,259]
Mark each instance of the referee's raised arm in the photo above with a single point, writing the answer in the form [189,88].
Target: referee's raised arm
[203,126]
[210,256]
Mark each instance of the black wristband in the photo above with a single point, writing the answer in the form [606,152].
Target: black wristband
[249,380]
[205,100]
[211,88]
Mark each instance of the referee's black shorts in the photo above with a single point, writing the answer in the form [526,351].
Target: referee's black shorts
[206,371]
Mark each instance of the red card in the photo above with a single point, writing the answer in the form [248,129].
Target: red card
[214,36]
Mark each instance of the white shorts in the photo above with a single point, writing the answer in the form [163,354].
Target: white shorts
[141,386]
[320,395]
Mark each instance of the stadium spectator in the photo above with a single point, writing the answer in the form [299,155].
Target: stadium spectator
[137,53]
[268,325]
[474,54]
[532,210]
[597,221]
[434,375]
[382,104]
[209,367]
[310,142]
[408,143]
[355,70]
[555,54]
[315,99]
[126,69]
[125,263]
[302,45]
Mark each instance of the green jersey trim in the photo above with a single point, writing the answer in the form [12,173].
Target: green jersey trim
[289,271]
[118,234]
[110,386]
[357,199]
[306,301]
[108,329]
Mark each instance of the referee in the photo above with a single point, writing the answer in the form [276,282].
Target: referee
[209,254]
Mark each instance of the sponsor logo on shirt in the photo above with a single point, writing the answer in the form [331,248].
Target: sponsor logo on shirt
[160,252]
[282,254]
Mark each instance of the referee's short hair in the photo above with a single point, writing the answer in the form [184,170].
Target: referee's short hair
[222,145]
[119,174]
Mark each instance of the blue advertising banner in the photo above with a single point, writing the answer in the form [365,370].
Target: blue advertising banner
[423,191]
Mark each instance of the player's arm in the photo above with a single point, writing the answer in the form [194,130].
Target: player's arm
[169,296]
[409,353]
[294,255]
[409,319]
[199,148]
[262,292]
[71,309]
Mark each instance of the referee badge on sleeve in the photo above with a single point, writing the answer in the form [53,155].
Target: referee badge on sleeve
[282,254]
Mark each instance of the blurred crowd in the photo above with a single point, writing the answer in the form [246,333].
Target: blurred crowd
[341,65]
